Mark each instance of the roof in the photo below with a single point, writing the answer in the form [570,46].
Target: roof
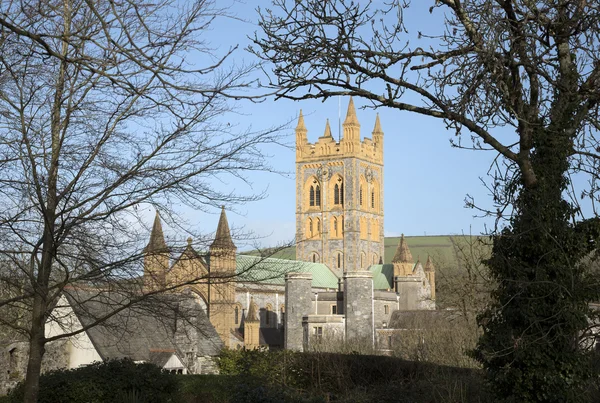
[383,276]
[403,254]
[157,239]
[273,271]
[223,235]
[144,329]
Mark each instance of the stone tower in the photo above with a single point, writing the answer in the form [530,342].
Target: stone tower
[339,196]
[156,258]
[403,260]
[222,277]
[252,327]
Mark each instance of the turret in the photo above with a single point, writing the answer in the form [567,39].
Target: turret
[378,136]
[156,258]
[252,327]
[403,260]
[430,274]
[351,129]
[301,139]
[222,277]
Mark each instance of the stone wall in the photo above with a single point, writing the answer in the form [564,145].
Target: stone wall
[13,361]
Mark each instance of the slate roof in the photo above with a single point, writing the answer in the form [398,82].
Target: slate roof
[273,271]
[145,331]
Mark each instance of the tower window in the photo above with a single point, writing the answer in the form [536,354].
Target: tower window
[310,227]
[318,196]
[312,196]
[336,194]
[373,199]
[360,196]
[339,260]
[318,226]
[342,194]
[335,226]
[237,315]
[314,258]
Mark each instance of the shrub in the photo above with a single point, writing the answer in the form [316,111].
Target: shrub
[111,381]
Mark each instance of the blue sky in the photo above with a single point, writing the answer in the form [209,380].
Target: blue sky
[426,180]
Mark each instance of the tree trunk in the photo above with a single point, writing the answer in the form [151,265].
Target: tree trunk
[36,351]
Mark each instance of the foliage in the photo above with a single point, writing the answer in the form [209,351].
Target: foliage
[105,382]
[108,108]
[523,79]
[355,377]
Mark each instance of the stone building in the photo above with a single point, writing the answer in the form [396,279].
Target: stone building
[338,285]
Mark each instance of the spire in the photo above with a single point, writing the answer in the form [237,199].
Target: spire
[403,254]
[301,127]
[377,128]
[223,235]
[429,265]
[351,118]
[252,314]
[327,130]
[157,239]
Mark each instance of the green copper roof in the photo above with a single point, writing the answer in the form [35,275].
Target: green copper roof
[383,276]
[273,271]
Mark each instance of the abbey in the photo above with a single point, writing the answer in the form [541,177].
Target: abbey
[337,288]
[338,285]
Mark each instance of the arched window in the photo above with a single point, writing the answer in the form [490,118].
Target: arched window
[314,258]
[342,194]
[310,227]
[335,226]
[360,196]
[373,199]
[318,196]
[318,226]
[336,194]
[312,196]
[236,313]
[339,260]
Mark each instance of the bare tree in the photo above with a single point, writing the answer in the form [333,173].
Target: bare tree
[105,106]
[518,77]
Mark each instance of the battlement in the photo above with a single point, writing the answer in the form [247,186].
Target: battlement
[350,145]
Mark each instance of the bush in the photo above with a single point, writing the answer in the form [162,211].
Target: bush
[111,381]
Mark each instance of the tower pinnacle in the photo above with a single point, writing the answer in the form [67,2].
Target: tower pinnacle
[403,254]
[351,118]
[157,239]
[223,235]
[327,130]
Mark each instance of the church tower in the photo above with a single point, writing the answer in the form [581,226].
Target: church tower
[156,258]
[222,277]
[339,196]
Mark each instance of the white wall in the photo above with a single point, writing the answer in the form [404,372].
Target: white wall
[63,320]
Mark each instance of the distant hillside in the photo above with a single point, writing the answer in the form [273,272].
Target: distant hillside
[441,248]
